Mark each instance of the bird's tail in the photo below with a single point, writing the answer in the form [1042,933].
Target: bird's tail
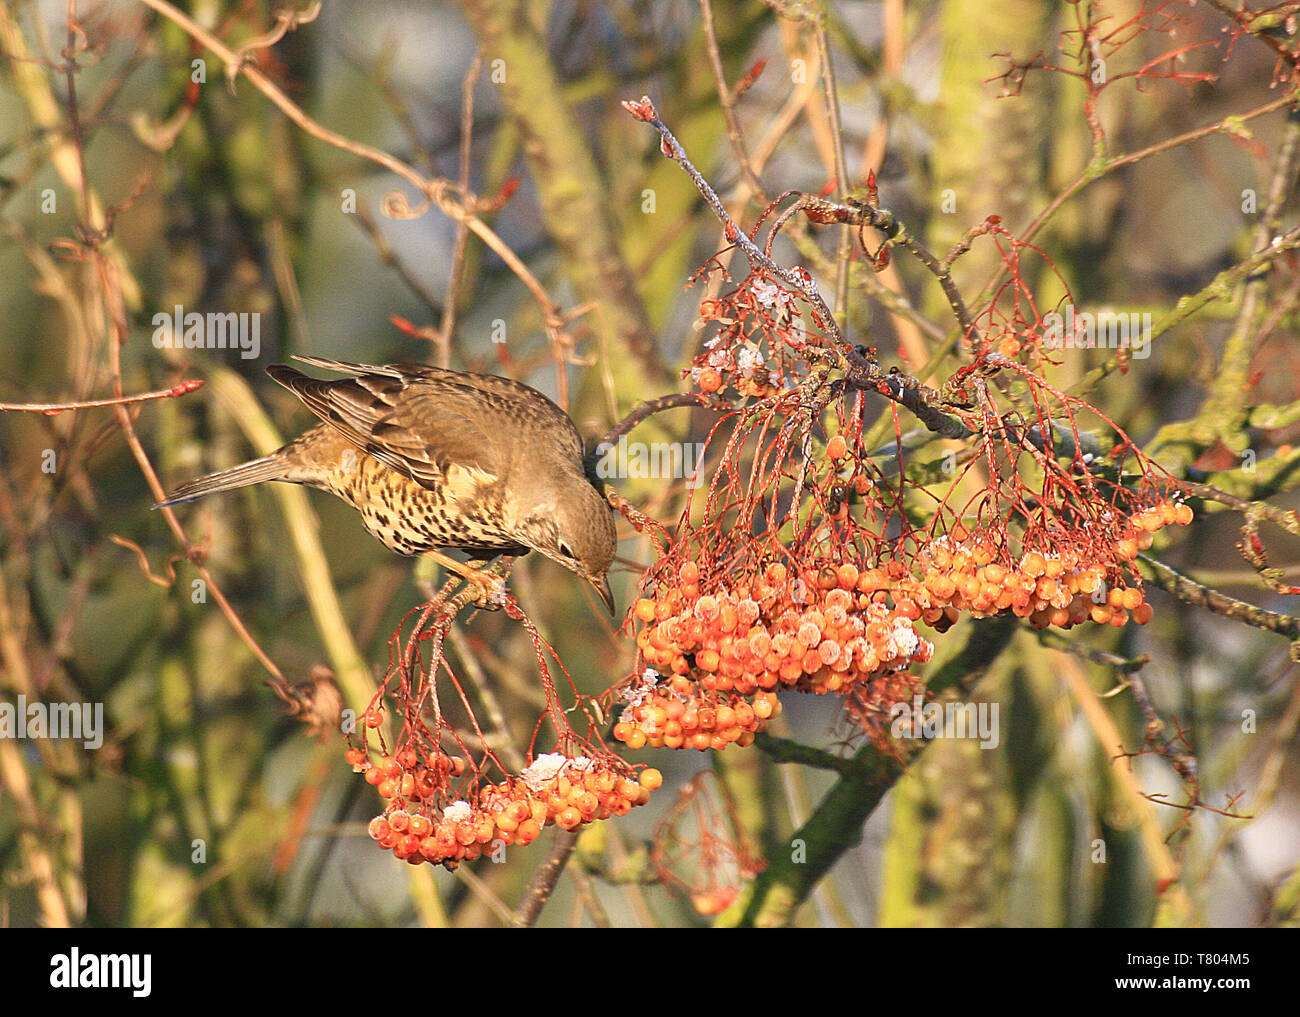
[267,468]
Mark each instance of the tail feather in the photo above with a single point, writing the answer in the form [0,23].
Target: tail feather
[267,468]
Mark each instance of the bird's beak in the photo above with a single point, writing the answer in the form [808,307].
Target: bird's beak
[601,585]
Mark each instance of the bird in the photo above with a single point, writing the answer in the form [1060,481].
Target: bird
[439,459]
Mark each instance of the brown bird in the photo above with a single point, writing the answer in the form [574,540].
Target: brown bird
[433,459]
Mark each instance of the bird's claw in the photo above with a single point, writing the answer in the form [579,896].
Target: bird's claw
[491,589]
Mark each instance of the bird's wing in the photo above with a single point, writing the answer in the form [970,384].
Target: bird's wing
[422,421]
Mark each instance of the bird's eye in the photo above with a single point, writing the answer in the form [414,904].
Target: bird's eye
[564,550]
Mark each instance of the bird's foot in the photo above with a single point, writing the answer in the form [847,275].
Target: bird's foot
[491,588]
[488,583]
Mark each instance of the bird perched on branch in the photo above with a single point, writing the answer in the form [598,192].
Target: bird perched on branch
[433,458]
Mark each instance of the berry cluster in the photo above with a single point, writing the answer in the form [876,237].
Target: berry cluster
[723,653]
[422,825]
[813,631]
[1062,587]
[404,776]
[681,714]
[742,355]
[715,654]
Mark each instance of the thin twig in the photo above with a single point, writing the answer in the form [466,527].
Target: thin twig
[831,94]
[54,409]
[448,325]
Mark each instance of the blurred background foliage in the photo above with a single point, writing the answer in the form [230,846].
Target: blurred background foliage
[206,805]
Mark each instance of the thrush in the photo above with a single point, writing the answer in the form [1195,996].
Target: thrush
[436,459]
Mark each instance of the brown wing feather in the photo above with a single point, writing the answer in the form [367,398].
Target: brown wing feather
[421,420]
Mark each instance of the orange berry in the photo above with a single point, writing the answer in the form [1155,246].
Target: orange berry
[944,587]
[644,610]
[568,818]
[872,580]
[1182,514]
[651,779]
[635,739]
[710,380]
[837,447]
[420,826]
[1143,613]
[506,827]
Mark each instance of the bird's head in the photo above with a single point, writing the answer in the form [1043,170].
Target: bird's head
[576,529]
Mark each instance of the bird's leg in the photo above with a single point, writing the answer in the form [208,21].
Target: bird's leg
[485,580]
